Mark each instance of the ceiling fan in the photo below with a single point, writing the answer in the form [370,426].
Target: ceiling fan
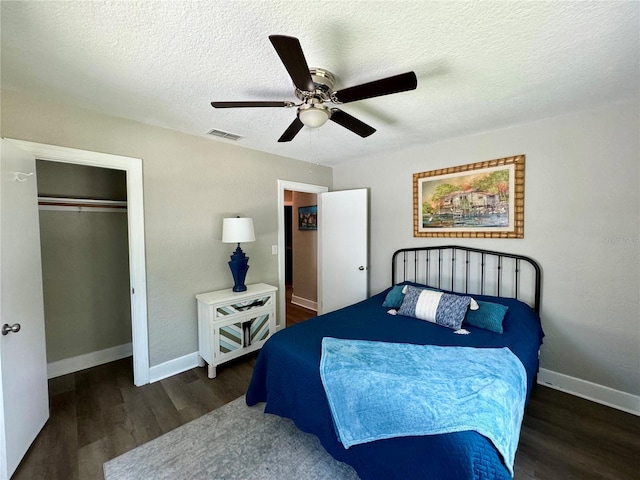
[314,87]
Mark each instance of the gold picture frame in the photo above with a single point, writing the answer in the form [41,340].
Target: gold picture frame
[477,200]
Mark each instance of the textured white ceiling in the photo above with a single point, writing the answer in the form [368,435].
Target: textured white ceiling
[480,65]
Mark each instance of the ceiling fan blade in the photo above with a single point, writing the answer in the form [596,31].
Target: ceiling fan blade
[351,123]
[251,104]
[290,52]
[377,88]
[292,131]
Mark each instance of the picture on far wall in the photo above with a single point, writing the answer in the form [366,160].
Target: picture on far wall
[478,200]
[308,218]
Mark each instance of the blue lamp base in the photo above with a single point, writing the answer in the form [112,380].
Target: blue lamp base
[239,264]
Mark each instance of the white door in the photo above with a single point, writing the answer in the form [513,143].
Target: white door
[24,399]
[342,249]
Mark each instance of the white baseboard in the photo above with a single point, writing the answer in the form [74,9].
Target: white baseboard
[304,302]
[88,360]
[174,367]
[591,391]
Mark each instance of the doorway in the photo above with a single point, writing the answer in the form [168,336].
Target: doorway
[135,224]
[285,186]
[301,256]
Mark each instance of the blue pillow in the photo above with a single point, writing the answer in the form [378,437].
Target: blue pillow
[394,297]
[436,307]
[472,306]
[489,316]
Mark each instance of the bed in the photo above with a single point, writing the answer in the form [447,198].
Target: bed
[287,375]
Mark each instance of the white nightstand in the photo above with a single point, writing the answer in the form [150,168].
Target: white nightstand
[232,324]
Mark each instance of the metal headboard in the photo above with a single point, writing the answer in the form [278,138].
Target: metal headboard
[470,271]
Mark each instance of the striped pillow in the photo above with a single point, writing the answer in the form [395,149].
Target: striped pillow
[436,307]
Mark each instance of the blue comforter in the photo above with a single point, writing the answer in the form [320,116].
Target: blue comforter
[287,377]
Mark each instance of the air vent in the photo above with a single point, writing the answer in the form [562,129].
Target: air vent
[221,134]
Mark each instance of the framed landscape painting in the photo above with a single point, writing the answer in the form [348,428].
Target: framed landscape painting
[478,200]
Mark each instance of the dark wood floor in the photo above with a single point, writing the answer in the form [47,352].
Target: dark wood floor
[566,437]
[98,414]
[295,313]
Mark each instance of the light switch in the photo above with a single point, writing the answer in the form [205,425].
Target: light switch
[274,249]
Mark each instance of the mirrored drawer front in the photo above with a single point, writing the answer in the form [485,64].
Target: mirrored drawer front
[243,333]
[244,306]
[259,329]
[231,338]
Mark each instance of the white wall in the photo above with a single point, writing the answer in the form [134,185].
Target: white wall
[582,214]
[190,184]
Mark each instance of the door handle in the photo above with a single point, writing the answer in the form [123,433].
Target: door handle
[6,328]
[360,268]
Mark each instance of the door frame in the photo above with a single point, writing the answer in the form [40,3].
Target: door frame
[294,187]
[135,219]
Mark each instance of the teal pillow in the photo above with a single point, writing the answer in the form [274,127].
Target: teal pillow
[394,298]
[489,316]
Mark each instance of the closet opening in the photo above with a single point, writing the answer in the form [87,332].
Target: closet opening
[84,242]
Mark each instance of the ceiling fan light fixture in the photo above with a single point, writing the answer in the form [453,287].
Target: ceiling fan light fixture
[313,116]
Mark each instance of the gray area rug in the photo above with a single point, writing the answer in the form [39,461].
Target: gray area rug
[232,442]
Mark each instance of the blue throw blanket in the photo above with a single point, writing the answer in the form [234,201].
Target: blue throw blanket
[379,390]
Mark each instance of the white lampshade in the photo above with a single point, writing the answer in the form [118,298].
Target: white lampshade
[238,230]
[313,117]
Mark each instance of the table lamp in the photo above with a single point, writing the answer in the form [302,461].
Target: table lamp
[238,230]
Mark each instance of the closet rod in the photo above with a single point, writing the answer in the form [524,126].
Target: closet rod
[81,204]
